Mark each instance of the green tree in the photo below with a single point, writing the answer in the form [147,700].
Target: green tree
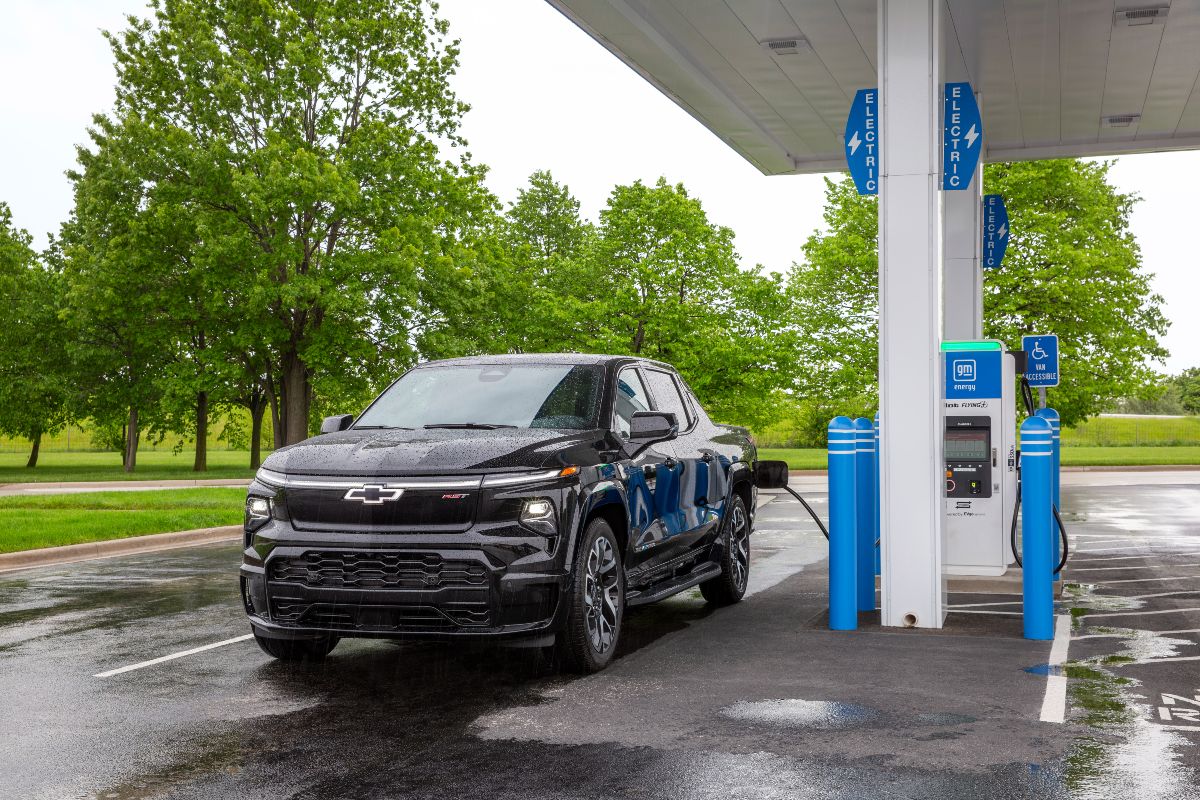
[33,369]
[663,282]
[542,264]
[314,133]
[119,338]
[1072,268]
[1188,386]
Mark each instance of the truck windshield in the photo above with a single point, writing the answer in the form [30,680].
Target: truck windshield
[490,395]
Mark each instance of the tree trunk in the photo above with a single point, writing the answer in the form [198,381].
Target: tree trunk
[638,337]
[132,435]
[201,463]
[295,395]
[258,405]
[276,421]
[33,452]
[124,445]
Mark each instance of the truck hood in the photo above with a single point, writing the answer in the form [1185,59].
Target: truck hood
[437,452]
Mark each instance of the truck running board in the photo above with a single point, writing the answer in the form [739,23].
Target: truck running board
[659,591]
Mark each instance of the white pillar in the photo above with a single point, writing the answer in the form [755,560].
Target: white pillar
[963,286]
[910,311]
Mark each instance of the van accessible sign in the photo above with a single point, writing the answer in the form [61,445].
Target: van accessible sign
[862,141]
[962,137]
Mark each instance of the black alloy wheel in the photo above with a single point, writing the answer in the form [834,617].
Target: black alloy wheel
[598,602]
[730,586]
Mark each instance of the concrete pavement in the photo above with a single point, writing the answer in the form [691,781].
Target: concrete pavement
[754,701]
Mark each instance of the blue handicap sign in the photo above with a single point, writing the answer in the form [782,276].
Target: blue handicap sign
[862,141]
[1041,359]
[962,136]
[995,230]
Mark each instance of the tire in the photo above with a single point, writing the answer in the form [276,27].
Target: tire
[593,628]
[730,586]
[309,650]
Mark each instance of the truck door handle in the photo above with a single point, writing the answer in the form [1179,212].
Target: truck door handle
[670,463]
[707,458]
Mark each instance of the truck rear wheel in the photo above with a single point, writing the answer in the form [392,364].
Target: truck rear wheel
[730,586]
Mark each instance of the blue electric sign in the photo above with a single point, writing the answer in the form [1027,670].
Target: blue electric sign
[862,141]
[973,374]
[1041,359]
[961,137]
[995,230]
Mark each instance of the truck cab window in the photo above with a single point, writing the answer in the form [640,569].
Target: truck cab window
[629,397]
[667,397]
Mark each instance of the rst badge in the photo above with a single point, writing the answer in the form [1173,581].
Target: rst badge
[373,494]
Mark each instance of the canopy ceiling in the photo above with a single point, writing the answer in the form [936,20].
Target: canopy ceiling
[774,78]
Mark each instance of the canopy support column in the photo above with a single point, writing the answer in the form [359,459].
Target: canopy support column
[964,268]
[910,312]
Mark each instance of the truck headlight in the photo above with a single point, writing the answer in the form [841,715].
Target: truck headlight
[258,512]
[538,514]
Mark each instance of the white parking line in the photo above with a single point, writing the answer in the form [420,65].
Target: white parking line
[1144,580]
[1112,558]
[1054,704]
[1152,548]
[1140,613]
[1102,569]
[172,656]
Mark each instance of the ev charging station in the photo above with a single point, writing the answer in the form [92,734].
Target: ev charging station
[981,457]
[950,84]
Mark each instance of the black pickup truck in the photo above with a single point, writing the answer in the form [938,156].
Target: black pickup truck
[529,498]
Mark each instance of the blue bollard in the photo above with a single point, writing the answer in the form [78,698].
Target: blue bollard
[1051,416]
[878,497]
[1037,460]
[864,480]
[843,528]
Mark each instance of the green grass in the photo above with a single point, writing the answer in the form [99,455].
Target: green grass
[1130,456]
[50,520]
[798,458]
[93,466]
[1134,432]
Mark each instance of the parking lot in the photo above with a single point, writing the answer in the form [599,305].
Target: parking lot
[758,700]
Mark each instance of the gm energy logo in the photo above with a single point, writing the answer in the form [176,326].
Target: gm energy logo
[973,374]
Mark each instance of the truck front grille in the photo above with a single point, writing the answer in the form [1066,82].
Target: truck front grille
[376,570]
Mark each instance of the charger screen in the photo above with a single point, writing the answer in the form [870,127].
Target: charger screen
[966,445]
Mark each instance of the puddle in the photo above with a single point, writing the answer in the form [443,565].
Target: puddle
[1083,596]
[791,713]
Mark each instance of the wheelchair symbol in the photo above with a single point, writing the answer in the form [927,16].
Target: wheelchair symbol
[1038,353]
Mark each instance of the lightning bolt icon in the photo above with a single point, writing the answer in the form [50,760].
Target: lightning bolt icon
[854,142]
[971,137]
[1003,230]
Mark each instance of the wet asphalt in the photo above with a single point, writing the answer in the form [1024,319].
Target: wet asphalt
[755,701]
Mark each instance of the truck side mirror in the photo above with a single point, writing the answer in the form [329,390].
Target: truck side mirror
[338,423]
[648,427]
[771,474]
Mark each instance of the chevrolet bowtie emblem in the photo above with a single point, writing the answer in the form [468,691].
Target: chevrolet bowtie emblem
[373,494]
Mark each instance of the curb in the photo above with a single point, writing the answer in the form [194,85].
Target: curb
[100,486]
[66,554]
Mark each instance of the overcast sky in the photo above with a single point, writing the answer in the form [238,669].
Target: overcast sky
[544,96]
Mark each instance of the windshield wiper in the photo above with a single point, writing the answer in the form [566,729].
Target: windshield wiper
[381,428]
[474,426]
